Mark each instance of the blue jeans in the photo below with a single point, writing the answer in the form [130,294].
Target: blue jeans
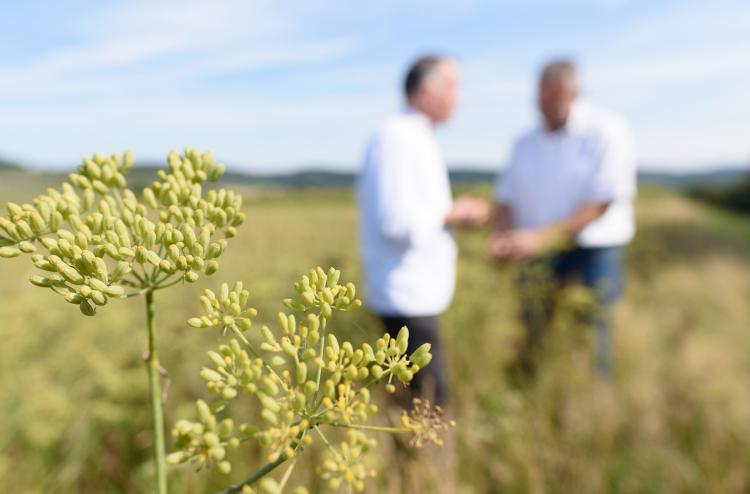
[600,270]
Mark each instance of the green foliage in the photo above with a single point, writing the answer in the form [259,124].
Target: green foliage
[302,379]
[675,419]
[735,197]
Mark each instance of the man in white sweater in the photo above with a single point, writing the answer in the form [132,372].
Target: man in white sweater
[404,196]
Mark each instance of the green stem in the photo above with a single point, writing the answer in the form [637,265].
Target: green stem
[259,474]
[375,428]
[265,469]
[326,441]
[157,415]
[287,474]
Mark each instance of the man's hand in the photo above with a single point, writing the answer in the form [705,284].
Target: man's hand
[525,245]
[500,245]
[469,212]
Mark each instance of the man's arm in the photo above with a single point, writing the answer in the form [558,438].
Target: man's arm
[502,225]
[502,220]
[527,244]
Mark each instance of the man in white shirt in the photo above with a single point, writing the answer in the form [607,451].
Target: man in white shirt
[404,197]
[565,200]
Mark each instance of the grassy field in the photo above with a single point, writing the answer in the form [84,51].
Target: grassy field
[676,418]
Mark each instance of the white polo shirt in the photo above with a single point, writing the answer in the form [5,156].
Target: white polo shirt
[552,174]
[404,195]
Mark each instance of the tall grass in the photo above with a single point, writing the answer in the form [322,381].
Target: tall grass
[676,417]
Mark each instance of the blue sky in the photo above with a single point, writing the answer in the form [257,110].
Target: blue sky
[278,86]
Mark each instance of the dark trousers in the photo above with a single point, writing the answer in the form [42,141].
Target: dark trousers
[599,269]
[429,382]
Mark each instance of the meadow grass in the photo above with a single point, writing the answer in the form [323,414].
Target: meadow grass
[676,417]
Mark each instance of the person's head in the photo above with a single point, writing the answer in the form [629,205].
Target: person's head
[558,88]
[431,87]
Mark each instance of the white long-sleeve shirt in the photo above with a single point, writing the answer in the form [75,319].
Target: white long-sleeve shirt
[552,174]
[403,192]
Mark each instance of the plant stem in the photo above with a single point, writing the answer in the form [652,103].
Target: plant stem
[288,473]
[157,415]
[375,428]
[259,474]
[266,469]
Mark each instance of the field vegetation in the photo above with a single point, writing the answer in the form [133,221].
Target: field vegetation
[675,418]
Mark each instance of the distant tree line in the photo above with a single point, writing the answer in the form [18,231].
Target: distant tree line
[734,196]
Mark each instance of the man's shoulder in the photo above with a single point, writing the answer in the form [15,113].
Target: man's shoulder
[603,123]
[526,138]
[400,122]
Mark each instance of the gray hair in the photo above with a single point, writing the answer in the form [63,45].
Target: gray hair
[560,70]
[420,71]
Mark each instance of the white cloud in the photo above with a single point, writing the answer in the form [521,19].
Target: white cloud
[142,75]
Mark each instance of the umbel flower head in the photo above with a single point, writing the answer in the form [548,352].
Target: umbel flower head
[302,376]
[93,239]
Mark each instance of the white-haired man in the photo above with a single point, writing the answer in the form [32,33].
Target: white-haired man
[565,200]
[404,196]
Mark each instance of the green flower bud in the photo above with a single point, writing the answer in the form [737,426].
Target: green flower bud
[310,388]
[288,348]
[350,372]
[211,267]
[9,252]
[301,373]
[333,343]
[153,258]
[376,371]
[37,223]
[204,413]
[166,266]
[402,340]
[177,457]
[210,375]
[267,335]
[294,305]
[26,247]
[86,308]
[41,281]
[269,416]
[98,297]
[224,467]
[97,284]
[421,356]
[71,275]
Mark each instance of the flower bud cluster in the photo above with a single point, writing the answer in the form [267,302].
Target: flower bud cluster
[233,371]
[226,310]
[301,374]
[205,441]
[345,466]
[320,290]
[93,238]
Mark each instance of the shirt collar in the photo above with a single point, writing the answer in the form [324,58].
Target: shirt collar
[417,115]
[579,115]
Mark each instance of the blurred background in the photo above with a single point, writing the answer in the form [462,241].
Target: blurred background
[286,93]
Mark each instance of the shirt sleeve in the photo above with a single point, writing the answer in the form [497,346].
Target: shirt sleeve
[615,175]
[506,181]
[396,208]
